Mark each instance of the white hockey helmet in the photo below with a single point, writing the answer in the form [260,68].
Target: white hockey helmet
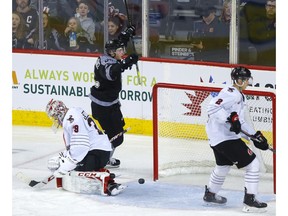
[56,111]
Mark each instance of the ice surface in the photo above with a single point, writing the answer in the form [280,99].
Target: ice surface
[175,195]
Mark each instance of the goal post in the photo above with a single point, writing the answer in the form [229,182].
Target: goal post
[180,143]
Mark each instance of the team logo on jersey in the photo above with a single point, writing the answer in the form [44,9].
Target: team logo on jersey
[230,89]
[70,119]
[250,152]
[97,84]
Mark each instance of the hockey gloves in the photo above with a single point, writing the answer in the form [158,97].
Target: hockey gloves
[260,141]
[61,165]
[53,163]
[233,119]
[128,33]
[129,61]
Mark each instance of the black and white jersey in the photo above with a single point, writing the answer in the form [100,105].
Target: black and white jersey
[31,18]
[107,76]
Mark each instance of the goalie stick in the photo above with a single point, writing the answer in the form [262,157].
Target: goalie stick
[253,138]
[133,45]
[39,184]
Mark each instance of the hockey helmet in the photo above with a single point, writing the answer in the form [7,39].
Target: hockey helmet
[56,111]
[241,73]
[113,45]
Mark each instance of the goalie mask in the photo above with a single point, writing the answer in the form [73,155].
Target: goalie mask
[243,74]
[56,111]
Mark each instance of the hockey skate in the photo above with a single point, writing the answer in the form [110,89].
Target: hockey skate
[115,189]
[113,163]
[252,205]
[210,197]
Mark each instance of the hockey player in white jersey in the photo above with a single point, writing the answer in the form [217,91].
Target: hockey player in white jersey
[87,148]
[225,120]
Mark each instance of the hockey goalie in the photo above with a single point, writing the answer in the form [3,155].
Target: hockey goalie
[81,167]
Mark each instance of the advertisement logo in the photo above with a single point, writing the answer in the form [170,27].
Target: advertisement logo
[14,80]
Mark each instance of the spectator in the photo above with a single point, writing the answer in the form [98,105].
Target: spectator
[225,19]
[95,9]
[115,27]
[86,22]
[29,14]
[51,35]
[225,16]
[209,39]
[262,34]
[19,32]
[59,11]
[76,38]
[117,22]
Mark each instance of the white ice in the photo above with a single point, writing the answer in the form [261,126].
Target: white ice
[176,195]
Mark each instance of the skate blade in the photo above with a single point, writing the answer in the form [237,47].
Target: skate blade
[213,204]
[111,166]
[249,209]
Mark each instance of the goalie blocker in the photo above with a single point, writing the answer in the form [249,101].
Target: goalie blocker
[101,183]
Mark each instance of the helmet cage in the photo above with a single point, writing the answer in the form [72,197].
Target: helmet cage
[56,111]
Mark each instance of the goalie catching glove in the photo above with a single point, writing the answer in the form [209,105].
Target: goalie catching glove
[260,141]
[233,119]
[61,164]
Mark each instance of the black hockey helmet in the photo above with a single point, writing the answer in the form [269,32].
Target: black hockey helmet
[113,45]
[240,73]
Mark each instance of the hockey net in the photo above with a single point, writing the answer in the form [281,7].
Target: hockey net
[180,144]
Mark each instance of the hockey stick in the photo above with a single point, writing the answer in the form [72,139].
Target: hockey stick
[39,184]
[33,183]
[119,134]
[133,45]
[253,138]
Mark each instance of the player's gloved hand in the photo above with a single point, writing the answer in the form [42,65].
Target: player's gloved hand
[260,141]
[66,164]
[233,119]
[129,61]
[53,163]
[128,33]
[131,30]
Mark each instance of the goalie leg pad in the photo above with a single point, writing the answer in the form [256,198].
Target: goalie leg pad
[90,182]
[78,184]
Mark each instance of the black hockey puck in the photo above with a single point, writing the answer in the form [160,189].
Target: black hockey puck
[141,181]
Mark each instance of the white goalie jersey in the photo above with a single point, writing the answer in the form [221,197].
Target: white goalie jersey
[82,135]
[219,109]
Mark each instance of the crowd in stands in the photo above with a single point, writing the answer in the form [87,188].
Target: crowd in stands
[78,26]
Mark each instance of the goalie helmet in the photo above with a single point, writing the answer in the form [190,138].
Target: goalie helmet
[56,110]
[113,45]
[241,73]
